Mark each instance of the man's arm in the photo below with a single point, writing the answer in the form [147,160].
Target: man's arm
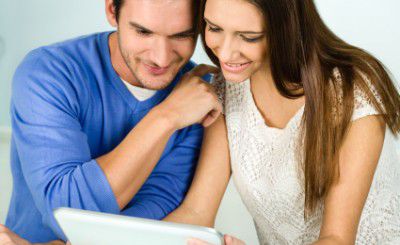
[192,101]
[54,153]
[156,198]
[167,185]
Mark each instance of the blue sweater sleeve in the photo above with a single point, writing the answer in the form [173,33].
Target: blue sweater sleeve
[54,153]
[166,187]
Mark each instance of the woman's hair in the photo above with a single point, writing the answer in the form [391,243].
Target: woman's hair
[303,55]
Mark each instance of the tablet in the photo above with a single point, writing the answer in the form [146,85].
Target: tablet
[87,227]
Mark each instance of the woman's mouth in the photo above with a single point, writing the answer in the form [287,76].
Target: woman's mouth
[235,67]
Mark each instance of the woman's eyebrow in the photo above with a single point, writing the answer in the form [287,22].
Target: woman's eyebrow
[209,22]
[239,32]
[251,32]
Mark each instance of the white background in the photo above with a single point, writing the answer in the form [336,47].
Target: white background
[24,25]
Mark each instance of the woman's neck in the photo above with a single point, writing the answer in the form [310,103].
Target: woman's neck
[262,79]
[276,109]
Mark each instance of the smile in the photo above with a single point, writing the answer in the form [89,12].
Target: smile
[235,67]
[156,70]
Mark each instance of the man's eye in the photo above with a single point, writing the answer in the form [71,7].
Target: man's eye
[184,36]
[142,32]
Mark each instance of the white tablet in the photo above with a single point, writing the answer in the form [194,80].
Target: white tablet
[87,227]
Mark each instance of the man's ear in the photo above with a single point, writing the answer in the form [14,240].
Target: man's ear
[110,13]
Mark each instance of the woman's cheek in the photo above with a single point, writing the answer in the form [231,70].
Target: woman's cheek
[212,40]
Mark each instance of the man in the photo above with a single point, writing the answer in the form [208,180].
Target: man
[82,140]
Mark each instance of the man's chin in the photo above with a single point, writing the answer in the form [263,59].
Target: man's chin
[156,84]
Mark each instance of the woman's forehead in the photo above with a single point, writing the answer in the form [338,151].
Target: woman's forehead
[236,14]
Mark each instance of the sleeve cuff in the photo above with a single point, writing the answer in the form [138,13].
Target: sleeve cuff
[100,187]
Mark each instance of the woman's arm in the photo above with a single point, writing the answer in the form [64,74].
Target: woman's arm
[211,178]
[358,158]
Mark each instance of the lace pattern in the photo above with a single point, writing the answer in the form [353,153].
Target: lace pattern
[267,174]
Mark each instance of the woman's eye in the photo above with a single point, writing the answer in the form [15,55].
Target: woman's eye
[213,29]
[252,39]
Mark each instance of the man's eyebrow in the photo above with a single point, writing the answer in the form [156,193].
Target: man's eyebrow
[239,32]
[136,25]
[183,33]
[188,32]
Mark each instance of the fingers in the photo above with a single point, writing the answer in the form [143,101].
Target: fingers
[192,92]
[211,118]
[230,240]
[194,241]
[57,242]
[202,70]
[213,115]
[5,238]
[3,228]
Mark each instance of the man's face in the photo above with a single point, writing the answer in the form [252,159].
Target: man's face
[156,39]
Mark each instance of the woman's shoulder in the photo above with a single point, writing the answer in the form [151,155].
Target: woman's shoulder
[231,94]
[363,92]
[218,82]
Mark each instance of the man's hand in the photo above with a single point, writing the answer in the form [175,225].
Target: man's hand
[8,237]
[192,100]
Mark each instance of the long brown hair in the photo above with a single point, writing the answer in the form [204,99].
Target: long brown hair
[304,53]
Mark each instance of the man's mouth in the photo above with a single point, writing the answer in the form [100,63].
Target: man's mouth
[156,70]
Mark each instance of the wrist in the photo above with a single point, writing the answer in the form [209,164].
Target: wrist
[166,117]
[189,216]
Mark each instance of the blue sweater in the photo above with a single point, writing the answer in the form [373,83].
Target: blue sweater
[69,107]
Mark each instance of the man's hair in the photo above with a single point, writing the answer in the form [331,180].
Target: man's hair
[195,11]
[117,7]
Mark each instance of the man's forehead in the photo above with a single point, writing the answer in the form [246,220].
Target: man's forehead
[167,16]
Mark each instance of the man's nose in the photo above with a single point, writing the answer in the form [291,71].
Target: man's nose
[162,52]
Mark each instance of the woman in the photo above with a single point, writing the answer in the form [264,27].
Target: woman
[309,129]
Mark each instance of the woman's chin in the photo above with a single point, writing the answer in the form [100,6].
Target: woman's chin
[235,78]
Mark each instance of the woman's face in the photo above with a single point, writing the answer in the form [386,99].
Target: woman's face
[235,32]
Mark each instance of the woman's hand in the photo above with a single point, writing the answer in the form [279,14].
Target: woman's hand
[229,240]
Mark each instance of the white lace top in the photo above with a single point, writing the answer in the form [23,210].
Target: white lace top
[267,175]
